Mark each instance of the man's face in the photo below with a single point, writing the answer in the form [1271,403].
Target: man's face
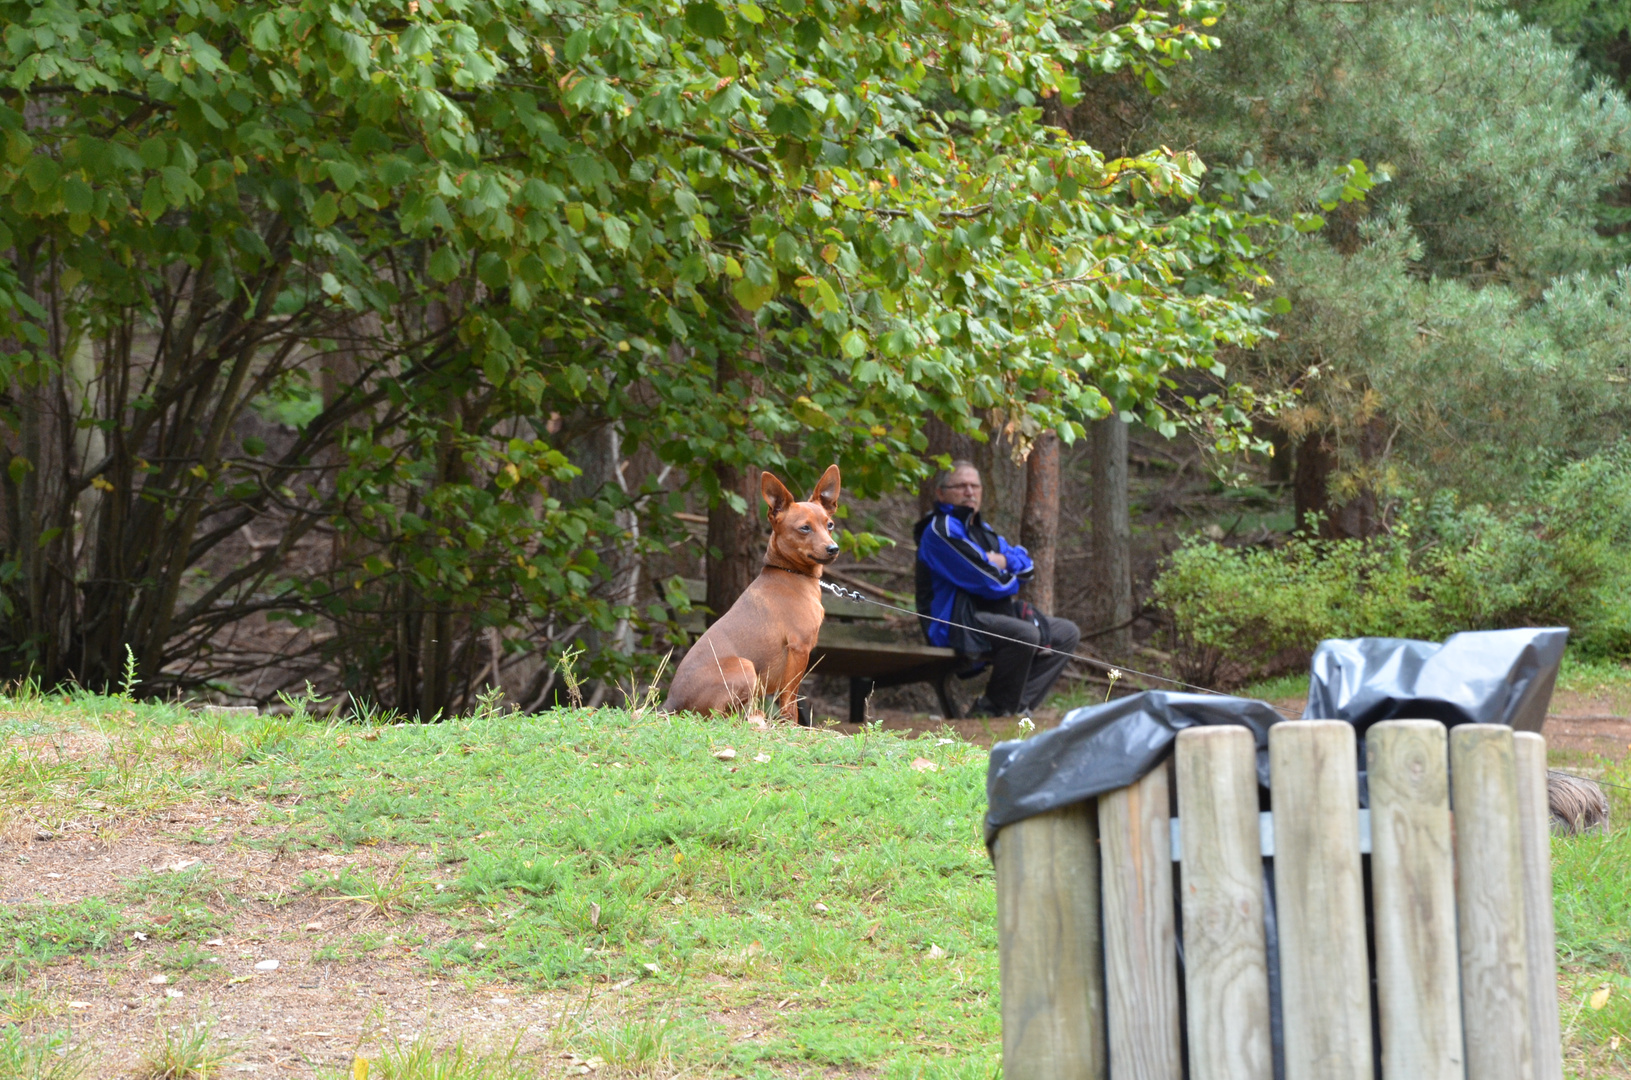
[962,488]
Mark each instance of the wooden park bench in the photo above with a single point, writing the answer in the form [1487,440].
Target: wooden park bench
[1460,903]
[857,642]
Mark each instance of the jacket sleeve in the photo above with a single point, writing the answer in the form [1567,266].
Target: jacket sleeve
[962,563]
[1019,560]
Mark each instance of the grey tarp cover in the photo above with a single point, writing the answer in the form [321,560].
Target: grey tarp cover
[1483,676]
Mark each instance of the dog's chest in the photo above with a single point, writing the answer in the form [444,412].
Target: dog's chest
[803,629]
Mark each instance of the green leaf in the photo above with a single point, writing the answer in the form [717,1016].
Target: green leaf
[853,344]
[578,45]
[325,210]
[750,295]
[154,152]
[616,231]
[344,174]
[752,12]
[444,264]
[41,173]
[154,204]
[807,35]
[706,19]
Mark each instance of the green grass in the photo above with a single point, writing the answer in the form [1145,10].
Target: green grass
[40,1057]
[581,849]
[184,1053]
[33,935]
[1283,686]
[1591,878]
[584,848]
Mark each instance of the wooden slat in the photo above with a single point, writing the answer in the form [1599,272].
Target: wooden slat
[1418,968]
[1048,947]
[1490,904]
[1540,934]
[1140,945]
[1324,978]
[1221,881]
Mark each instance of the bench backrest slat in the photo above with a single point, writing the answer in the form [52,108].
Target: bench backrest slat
[1418,966]
[1489,904]
[1140,932]
[1540,932]
[1225,951]
[1320,901]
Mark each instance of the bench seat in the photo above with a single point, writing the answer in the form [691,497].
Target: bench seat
[859,642]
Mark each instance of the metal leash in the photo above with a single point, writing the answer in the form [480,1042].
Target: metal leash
[1118,669]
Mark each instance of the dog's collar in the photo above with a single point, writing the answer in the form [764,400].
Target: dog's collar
[790,570]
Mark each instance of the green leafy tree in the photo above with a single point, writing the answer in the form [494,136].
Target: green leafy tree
[438,236]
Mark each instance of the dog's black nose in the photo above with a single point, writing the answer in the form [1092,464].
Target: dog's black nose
[832,549]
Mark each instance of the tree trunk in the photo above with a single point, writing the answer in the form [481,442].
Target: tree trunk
[1112,534]
[1310,483]
[1359,517]
[1003,477]
[1039,525]
[735,548]
[942,440]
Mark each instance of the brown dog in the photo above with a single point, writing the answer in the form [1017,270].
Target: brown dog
[762,644]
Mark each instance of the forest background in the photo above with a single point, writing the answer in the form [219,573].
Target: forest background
[409,348]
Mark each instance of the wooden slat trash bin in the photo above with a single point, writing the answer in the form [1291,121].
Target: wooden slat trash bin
[1457,837]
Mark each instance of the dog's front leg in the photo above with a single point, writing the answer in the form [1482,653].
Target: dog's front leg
[788,699]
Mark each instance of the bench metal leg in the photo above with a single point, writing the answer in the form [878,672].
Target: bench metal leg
[860,688]
[806,713]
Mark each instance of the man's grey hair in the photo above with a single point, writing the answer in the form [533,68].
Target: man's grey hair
[945,474]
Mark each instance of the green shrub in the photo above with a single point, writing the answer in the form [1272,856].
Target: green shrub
[1561,556]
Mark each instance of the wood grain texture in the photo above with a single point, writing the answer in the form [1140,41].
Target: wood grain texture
[1324,977]
[1140,942]
[1226,978]
[1540,932]
[1048,947]
[1490,903]
[1418,967]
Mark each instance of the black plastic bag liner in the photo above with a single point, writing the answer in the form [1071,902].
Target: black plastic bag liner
[1100,748]
[1479,677]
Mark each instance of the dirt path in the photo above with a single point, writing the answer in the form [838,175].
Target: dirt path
[1579,725]
[294,984]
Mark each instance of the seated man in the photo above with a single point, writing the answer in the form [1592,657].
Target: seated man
[969,577]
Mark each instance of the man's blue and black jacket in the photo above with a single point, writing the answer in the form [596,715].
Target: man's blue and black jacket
[954,580]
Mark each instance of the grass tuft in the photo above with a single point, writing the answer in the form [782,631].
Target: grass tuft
[40,1057]
[421,1060]
[184,1052]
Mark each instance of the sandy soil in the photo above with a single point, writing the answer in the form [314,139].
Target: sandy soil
[313,1012]
[1581,725]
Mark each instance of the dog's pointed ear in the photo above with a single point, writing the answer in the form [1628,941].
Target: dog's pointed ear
[826,489]
[777,497]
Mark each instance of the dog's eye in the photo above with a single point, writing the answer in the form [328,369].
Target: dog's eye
[804,528]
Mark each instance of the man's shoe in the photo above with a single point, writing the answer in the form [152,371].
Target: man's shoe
[982,707]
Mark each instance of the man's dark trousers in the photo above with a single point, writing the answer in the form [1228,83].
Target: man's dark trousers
[1021,676]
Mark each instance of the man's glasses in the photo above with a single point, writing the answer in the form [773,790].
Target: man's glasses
[959,487]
